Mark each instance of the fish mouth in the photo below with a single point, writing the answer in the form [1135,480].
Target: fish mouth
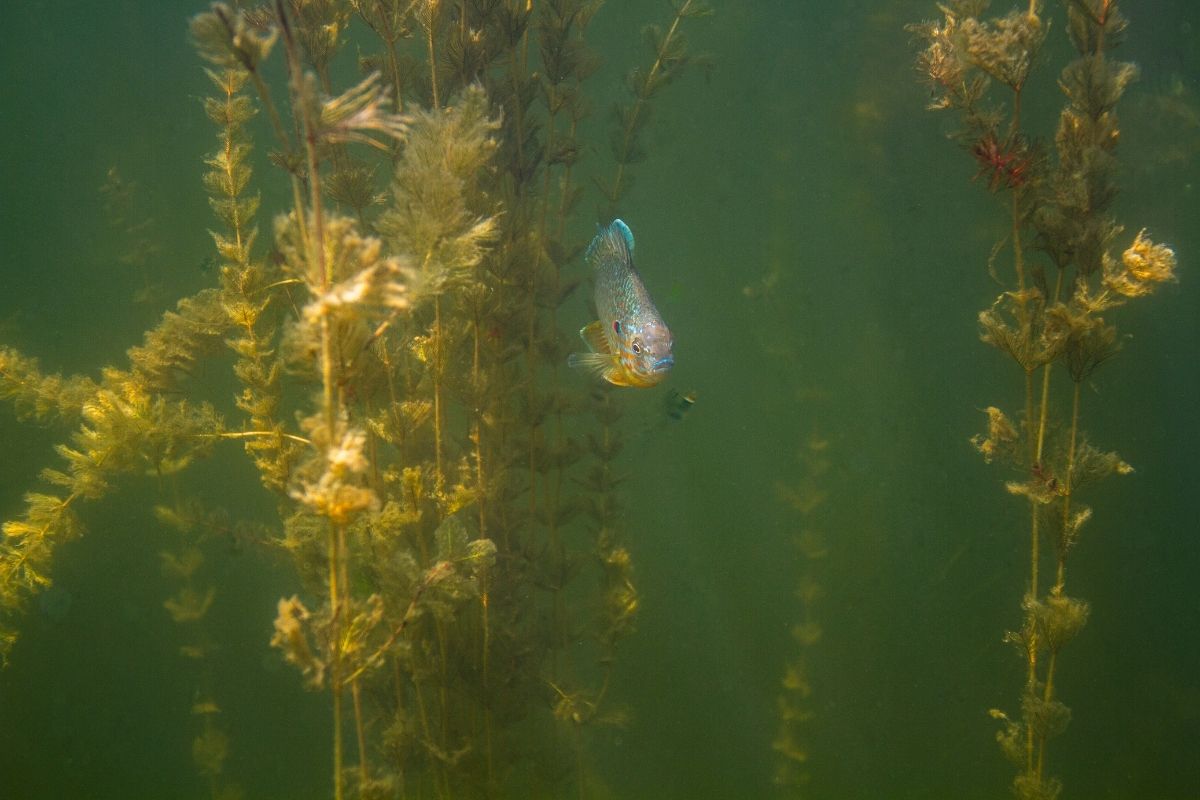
[664,364]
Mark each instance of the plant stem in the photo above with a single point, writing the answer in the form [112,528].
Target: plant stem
[1060,578]
[484,670]
[440,475]
[363,770]
[249,434]
[481,488]
[320,271]
[1068,488]
[433,78]
[335,673]
[643,94]
[1046,696]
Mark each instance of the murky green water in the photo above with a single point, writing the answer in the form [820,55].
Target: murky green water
[821,254]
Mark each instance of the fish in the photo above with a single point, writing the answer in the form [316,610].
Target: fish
[629,345]
[678,404]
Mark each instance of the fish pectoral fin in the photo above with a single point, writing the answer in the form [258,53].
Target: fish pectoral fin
[591,362]
[596,338]
[601,361]
[602,365]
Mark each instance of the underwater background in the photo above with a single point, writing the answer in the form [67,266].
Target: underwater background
[821,255]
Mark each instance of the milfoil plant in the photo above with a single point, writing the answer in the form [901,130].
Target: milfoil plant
[1072,266]
[447,501]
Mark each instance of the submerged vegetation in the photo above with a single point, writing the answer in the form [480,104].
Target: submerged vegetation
[448,504]
[795,705]
[1053,321]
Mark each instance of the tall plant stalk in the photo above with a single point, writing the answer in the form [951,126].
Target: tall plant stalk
[301,101]
[1066,205]
[667,53]
[396,356]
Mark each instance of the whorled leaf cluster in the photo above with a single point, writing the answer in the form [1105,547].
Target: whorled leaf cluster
[126,427]
[396,342]
[796,707]
[1053,320]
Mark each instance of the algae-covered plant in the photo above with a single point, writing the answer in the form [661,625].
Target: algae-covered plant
[447,502]
[1072,265]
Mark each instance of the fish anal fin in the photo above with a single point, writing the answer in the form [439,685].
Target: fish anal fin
[596,338]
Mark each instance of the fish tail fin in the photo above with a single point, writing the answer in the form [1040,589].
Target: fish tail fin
[613,241]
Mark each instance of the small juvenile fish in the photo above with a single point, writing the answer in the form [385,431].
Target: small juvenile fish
[630,344]
[678,404]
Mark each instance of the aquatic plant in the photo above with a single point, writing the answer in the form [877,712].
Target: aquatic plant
[670,58]
[197,530]
[124,425]
[1053,321]
[134,228]
[396,343]
[807,496]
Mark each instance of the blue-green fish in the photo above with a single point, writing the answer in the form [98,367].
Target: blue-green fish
[629,345]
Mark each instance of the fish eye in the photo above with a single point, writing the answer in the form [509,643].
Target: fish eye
[637,347]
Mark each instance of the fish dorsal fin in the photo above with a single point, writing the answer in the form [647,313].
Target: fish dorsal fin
[626,234]
[595,337]
[612,241]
